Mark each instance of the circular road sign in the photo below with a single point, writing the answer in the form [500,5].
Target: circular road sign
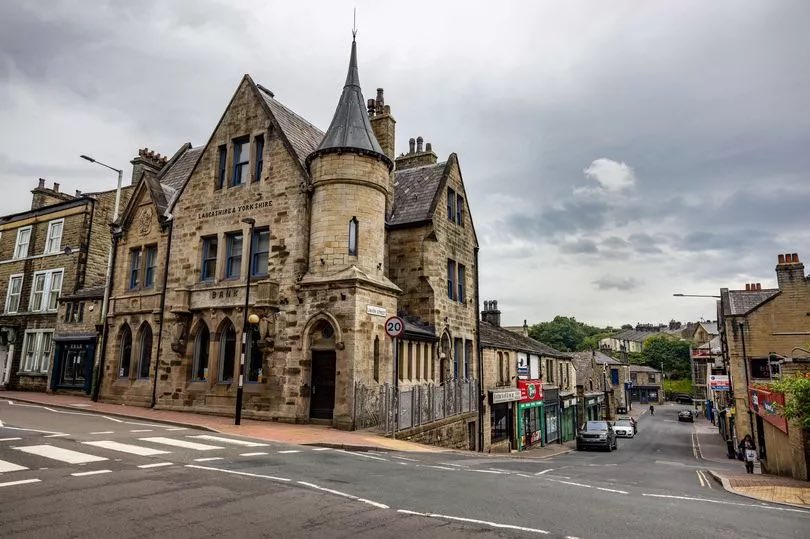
[395,327]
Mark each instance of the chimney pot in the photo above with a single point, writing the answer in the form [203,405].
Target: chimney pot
[371,106]
[387,109]
[41,183]
[56,187]
[78,193]
[747,287]
[795,258]
[781,259]
[759,287]
[419,141]
[428,147]
[411,144]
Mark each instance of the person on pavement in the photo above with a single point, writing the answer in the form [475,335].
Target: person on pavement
[749,452]
[652,410]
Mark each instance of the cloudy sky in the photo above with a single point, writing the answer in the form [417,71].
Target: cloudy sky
[613,152]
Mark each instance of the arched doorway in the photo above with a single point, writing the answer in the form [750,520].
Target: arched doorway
[322,349]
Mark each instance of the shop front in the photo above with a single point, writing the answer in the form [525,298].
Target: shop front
[73,361]
[530,413]
[644,394]
[503,403]
[593,404]
[568,418]
[551,407]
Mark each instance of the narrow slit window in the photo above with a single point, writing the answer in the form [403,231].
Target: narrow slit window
[353,226]
[257,175]
[221,170]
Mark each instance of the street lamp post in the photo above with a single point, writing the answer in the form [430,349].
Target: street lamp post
[97,372]
[239,388]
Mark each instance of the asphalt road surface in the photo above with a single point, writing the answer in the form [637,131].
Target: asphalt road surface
[75,474]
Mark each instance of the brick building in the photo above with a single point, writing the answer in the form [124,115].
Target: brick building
[755,324]
[58,247]
[335,234]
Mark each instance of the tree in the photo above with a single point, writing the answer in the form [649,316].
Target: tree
[797,398]
[670,351]
[565,333]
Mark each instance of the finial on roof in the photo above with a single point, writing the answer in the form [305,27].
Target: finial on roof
[354,24]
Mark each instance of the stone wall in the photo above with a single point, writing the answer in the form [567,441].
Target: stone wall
[452,433]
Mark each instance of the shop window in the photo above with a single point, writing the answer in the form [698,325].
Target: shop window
[499,422]
[145,351]
[125,358]
[202,345]
[227,353]
[261,249]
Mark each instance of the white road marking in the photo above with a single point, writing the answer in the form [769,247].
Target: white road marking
[177,428]
[9,439]
[321,448]
[700,478]
[690,498]
[140,430]
[544,471]
[486,471]
[22,482]
[81,404]
[103,432]
[243,443]
[612,490]
[500,470]
[180,443]
[156,465]
[454,465]
[474,521]
[208,459]
[344,495]
[288,451]
[437,467]
[234,472]
[127,448]
[524,475]
[10,467]
[410,459]
[256,454]
[32,430]
[57,453]
[60,435]
[94,472]
[360,454]
[574,484]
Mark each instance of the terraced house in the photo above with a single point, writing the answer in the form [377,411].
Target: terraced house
[290,247]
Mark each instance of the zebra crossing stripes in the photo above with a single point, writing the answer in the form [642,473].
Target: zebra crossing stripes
[57,453]
[127,448]
[180,443]
[10,467]
[220,439]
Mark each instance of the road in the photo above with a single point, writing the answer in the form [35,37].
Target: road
[71,474]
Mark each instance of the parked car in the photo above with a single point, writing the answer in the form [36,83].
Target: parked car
[686,415]
[624,428]
[682,398]
[631,419]
[597,434]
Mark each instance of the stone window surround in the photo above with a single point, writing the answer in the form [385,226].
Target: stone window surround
[74,312]
[18,244]
[144,356]
[47,290]
[222,255]
[204,376]
[11,278]
[57,239]
[242,144]
[38,358]
[135,352]
[142,251]
[226,148]
[456,273]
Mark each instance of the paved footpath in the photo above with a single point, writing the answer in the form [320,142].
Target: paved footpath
[731,473]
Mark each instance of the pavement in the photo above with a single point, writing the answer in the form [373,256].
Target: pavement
[65,472]
[299,434]
[730,473]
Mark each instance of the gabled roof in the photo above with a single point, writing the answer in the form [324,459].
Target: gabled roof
[740,302]
[582,363]
[709,327]
[642,368]
[414,192]
[350,130]
[634,335]
[302,135]
[497,337]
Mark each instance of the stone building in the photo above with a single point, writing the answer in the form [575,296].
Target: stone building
[518,371]
[58,247]
[591,380]
[762,329]
[328,233]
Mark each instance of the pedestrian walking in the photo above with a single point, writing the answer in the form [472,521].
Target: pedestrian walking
[749,452]
[652,410]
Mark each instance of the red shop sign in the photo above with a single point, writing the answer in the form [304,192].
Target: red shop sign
[530,390]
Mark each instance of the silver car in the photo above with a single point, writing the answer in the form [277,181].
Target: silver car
[624,428]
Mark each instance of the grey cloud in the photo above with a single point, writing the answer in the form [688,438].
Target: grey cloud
[615,242]
[612,282]
[579,246]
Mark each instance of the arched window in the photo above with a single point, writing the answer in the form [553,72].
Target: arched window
[201,346]
[501,377]
[227,353]
[590,382]
[376,359]
[126,352]
[145,351]
[353,226]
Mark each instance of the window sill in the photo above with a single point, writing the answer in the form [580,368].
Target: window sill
[33,374]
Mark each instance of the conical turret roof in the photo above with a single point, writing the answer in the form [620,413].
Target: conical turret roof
[350,130]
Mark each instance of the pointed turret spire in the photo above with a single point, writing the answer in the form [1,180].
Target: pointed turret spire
[350,130]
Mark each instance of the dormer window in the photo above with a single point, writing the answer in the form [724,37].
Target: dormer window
[241,161]
[353,225]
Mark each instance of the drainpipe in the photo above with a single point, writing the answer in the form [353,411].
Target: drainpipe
[481,395]
[162,312]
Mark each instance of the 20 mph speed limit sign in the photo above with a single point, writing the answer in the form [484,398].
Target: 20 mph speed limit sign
[395,327]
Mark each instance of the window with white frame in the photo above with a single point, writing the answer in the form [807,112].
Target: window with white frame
[37,348]
[13,295]
[45,290]
[54,241]
[23,239]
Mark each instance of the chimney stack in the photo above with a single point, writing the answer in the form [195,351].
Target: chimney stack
[382,123]
[418,155]
[419,141]
[78,193]
[411,145]
[491,313]
[56,187]
[789,271]
[41,183]
[146,160]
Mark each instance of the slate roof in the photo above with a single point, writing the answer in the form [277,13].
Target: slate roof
[739,302]
[634,335]
[176,174]
[350,129]
[303,136]
[414,191]
[582,363]
[710,328]
[416,328]
[497,337]
[642,368]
